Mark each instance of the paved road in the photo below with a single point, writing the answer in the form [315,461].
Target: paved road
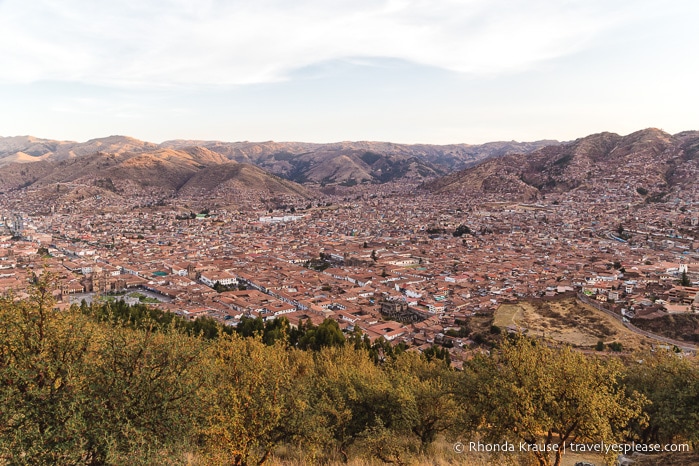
[680,344]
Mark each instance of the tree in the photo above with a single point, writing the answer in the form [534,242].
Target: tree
[143,393]
[684,279]
[357,339]
[671,383]
[250,327]
[429,403]
[621,233]
[461,230]
[615,346]
[355,403]
[276,330]
[256,401]
[43,359]
[545,397]
[382,350]
[435,352]
[327,334]
[75,390]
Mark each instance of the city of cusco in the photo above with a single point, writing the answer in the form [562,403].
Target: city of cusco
[467,234]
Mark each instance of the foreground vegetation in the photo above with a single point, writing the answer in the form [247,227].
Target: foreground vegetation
[113,384]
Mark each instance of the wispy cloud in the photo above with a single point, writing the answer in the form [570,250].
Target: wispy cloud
[160,43]
[97,107]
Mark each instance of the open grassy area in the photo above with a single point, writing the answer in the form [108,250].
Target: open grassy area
[506,315]
[568,321]
[143,298]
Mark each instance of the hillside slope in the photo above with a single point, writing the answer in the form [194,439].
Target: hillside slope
[645,165]
[160,172]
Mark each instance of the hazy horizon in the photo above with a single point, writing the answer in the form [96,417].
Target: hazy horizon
[159,142]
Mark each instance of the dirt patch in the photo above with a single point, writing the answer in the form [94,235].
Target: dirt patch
[506,315]
[568,321]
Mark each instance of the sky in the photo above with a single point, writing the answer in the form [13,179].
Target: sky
[407,71]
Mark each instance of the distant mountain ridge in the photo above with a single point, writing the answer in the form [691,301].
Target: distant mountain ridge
[160,173]
[361,161]
[334,163]
[648,164]
[26,149]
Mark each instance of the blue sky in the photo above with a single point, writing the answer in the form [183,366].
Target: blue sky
[438,71]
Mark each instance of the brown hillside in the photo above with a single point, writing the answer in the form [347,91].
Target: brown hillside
[233,176]
[646,166]
[128,173]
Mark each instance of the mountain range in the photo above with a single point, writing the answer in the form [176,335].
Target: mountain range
[345,163]
[648,164]
[645,165]
[363,161]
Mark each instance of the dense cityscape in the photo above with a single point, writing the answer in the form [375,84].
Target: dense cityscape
[360,256]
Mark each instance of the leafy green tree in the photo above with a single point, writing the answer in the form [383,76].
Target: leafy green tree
[616,346]
[327,334]
[255,399]
[544,397]
[461,230]
[43,360]
[204,326]
[436,352]
[143,392]
[276,330]
[250,326]
[358,339]
[382,350]
[352,396]
[429,402]
[684,279]
[141,316]
[671,383]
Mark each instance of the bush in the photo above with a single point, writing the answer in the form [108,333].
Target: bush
[615,346]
